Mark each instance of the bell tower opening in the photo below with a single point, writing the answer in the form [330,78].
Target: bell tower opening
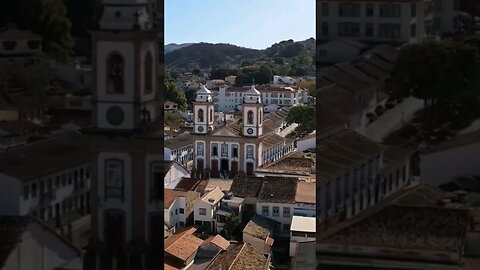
[115,71]
[203,111]
[252,113]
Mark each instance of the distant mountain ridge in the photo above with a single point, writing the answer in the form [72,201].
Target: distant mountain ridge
[208,55]
[174,46]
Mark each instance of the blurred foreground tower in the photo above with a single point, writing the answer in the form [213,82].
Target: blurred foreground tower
[127,139]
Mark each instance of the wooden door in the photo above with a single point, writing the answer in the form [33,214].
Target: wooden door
[234,168]
[200,165]
[215,173]
[249,168]
[114,231]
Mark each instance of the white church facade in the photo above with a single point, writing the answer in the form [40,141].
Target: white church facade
[238,146]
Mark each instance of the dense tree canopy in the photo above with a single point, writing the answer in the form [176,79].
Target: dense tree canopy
[221,73]
[83,15]
[440,73]
[173,120]
[304,115]
[47,18]
[262,75]
[172,93]
[309,85]
[233,228]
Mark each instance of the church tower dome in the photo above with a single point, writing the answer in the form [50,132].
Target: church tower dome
[252,96]
[203,111]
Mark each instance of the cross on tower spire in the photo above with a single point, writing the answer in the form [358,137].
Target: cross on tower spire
[253,81]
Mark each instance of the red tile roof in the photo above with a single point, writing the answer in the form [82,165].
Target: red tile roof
[184,246]
[218,241]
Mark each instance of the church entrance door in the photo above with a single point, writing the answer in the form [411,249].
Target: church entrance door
[224,167]
[215,168]
[234,168]
[200,165]
[249,168]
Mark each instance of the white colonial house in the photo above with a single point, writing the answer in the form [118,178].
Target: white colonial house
[174,173]
[302,230]
[33,245]
[355,173]
[22,49]
[207,208]
[231,98]
[48,179]
[179,149]
[305,200]
[178,207]
[276,201]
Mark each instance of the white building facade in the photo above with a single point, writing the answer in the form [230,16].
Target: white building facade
[174,174]
[396,21]
[230,98]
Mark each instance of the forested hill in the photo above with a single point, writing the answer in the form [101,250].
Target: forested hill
[207,55]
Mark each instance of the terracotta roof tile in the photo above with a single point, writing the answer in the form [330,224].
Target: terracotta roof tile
[306,193]
[259,227]
[241,257]
[218,241]
[278,189]
[184,247]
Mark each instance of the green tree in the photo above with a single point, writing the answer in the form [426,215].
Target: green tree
[196,72]
[218,73]
[309,85]
[284,69]
[47,18]
[306,60]
[264,75]
[291,50]
[173,94]
[233,228]
[279,60]
[174,120]
[174,75]
[304,116]
[300,71]
[440,73]
[83,15]
[190,94]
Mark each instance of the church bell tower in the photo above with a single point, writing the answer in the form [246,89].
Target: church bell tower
[203,117]
[252,113]
[127,140]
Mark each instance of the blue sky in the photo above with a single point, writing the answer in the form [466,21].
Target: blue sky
[248,23]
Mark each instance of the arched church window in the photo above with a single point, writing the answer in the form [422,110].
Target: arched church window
[148,65]
[200,115]
[260,116]
[211,115]
[115,73]
[250,151]
[225,150]
[200,148]
[114,182]
[250,117]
